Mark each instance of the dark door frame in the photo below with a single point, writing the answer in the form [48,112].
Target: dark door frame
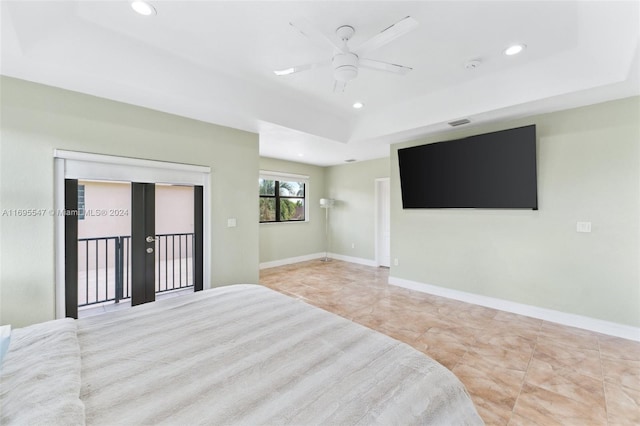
[198,229]
[71,247]
[143,243]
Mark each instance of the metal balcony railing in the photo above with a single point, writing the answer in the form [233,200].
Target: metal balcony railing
[104,266]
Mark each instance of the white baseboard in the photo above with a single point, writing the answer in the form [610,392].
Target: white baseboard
[313,256]
[572,320]
[290,260]
[358,260]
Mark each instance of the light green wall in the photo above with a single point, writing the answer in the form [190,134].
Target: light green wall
[37,119]
[286,240]
[353,218]
[352,221]
[588,170]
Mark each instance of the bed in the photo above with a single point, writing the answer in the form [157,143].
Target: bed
[241,354]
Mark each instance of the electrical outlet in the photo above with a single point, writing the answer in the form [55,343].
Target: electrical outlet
[353,245]
[395,262]
[583,227]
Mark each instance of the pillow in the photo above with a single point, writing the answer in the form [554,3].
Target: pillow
[40,378]
[5,338]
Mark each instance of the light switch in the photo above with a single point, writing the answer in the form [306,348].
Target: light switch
[583,227]
[231,222]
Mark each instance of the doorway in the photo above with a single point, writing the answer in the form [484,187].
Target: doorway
[383,222]
[128,240]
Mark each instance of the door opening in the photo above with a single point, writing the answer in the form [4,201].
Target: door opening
[124,243]
[383,222]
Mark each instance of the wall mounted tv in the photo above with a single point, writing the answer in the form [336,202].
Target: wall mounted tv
[490,171]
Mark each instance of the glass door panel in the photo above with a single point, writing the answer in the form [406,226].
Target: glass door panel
[104,233]
[175,238]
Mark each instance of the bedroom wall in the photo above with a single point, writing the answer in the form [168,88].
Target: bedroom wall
[37,119]
[588,170]
[279,241]
[352,220]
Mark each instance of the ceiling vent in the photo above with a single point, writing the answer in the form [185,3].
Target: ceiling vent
[459,122]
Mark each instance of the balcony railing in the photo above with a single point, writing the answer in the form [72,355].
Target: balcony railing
[104,266]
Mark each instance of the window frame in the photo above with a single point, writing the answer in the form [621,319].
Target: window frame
[284,177]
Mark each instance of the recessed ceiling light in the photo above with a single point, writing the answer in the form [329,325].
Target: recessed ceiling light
[514,50]
[285,71]
[358,105]
[143,8]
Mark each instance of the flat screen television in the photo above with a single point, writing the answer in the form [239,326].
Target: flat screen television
[489,171]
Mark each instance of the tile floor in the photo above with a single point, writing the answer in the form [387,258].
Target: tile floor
[518,370]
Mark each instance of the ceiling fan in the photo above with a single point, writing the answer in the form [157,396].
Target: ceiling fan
[345,61]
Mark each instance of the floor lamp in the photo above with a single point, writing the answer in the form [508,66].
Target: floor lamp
[326,204]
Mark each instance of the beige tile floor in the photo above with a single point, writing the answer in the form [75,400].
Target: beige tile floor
[518,370]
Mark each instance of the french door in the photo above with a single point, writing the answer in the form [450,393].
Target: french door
[149,239]
[143,238]
[109,262]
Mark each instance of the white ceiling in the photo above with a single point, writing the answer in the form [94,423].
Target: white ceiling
[214,61]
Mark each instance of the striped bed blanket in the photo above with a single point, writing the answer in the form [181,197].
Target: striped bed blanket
[241,355]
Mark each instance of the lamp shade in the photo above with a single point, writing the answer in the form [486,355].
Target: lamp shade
[326,203]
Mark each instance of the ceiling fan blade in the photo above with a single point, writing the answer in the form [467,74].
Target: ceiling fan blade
[299,68]
[306,29]
[383,66]
[339,86]
[391,33]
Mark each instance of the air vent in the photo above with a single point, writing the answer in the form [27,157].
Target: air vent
[350,160]
[459,122]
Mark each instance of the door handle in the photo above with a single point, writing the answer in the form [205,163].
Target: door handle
[150,239]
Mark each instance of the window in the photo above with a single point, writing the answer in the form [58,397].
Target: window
[80,202]
[283,198]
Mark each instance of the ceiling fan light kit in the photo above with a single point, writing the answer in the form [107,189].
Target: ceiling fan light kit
[345,66]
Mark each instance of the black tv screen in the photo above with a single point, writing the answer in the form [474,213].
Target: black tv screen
[493,170]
